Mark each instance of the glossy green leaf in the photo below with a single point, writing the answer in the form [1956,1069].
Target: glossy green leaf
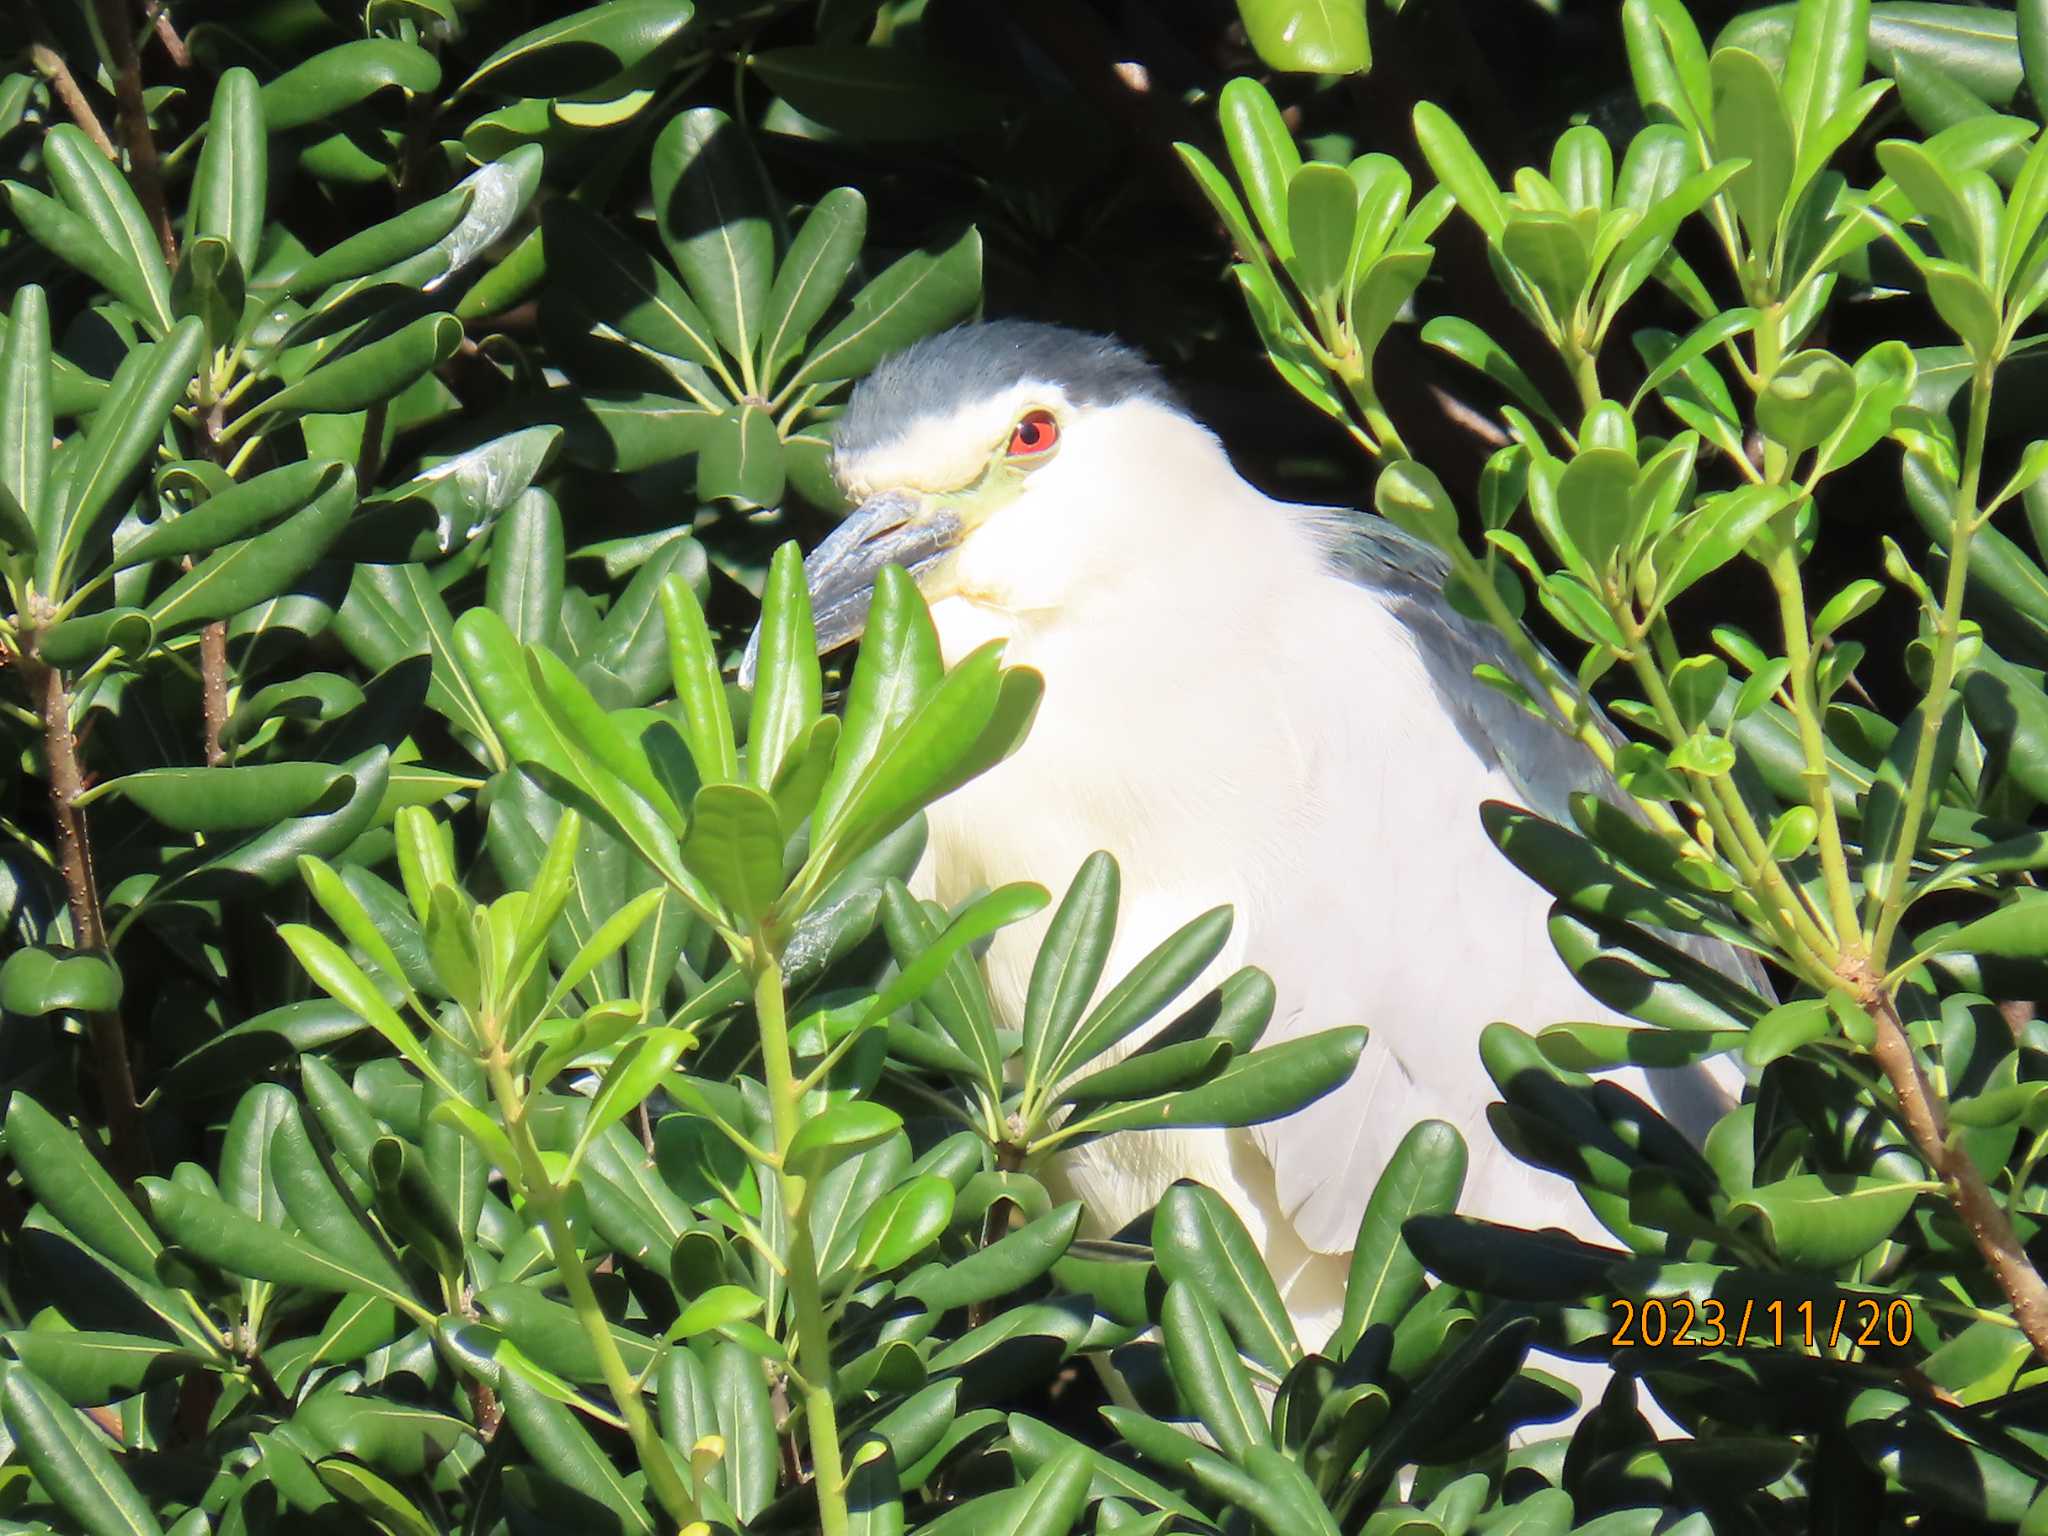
[1750,124]
[711,206]
[79,1192]
[1823,1221]
[25,417]
[370,374]
[255,569]
[582,49]
[903,1223]
[229,185]
[845,1130]
[1425,1176]
[813,272]
[624,286]
[106,468]
[1322,213]
[1197,1240]
[34,982]
[93,188]
[72,1466]
[213,800]
[1458,167]
[917,295]
[1321,37]
[339,77]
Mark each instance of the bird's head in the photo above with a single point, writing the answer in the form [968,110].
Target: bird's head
[998,464]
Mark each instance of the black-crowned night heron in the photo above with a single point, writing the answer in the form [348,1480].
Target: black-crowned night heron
[1246,702]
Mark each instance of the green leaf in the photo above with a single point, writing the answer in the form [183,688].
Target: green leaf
[1473,347]
[524,579]
[319,1208]
[1008,1264]
[397,1438]
[1964,304]
[1750,124]
[998,909]
[343,980]
[2032,19]
[622,285]
[1206,1370]
[903,1223]
[74,241]
[93,187]
[26,424]
[375,1499]
[581,50]
[1151,984]
[70,1464]
[1198,1241]
[34,982]
[635,1073]
[812,274]
[1311,37]
[1322,212]
[883,94]
[700,684]
[921,293]
[1069,965]
[896,672]
[1595,505]
[846,1130]
[213,1231]
[369,375]
[1410,495]
[1255,1088]
[62,1175]
[735,847]
[1809,396]
[2018,931]
[1458,167]
[253,570]
[87,1369]
[395,611]
[1824,1221]
[1262,153]
[386,244]
[212,800]
[1549,250]
[711,205]
[338,78]
[228,187]
[1425,1176]
[1824,65]
[106,467]
[1785,1029]
[233,512]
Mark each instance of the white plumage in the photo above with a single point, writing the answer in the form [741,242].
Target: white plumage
[1249,703]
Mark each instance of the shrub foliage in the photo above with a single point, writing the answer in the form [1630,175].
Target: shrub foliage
[473,1068]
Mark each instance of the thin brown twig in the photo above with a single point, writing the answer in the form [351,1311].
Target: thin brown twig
[49,63]
[129,1145]
[174,45]
[143,169]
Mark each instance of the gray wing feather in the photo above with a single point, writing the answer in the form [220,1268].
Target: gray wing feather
[1545,766]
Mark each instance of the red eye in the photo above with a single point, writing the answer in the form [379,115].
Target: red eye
[1035,434]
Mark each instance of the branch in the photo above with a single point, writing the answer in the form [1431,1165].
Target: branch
[174,45]
[1927,1123]
[51,66]
[134,121]
[129,1143]
[213,688]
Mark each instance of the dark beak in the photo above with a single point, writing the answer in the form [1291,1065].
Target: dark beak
[894,528]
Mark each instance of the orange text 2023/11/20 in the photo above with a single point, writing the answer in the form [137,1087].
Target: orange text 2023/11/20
[1680,1322]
